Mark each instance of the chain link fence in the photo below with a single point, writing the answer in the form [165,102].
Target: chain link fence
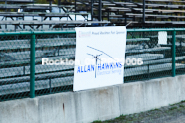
[24,74]
[155,51]
[14,66]
[54,78]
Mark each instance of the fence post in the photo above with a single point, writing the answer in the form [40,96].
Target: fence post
[173,53]
[32,67]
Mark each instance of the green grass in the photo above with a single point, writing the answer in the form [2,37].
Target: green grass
[97,121]
[181,106]
[173,108]
[182,101]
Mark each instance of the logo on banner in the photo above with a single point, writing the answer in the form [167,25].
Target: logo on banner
[103,66]
[84,34]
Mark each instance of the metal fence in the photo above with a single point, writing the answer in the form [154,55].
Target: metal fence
[23,75]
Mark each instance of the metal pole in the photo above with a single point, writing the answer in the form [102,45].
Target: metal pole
[32,67]
[6,5]
[173,52]
[75,9]
[148,71]
[92,10]
[50,86]
[100,12]
[143,11]
[6,11]
[59,3]
[50,4]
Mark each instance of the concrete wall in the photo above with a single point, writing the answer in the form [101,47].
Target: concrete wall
[96,104]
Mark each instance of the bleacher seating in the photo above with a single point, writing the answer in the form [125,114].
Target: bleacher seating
[36,16]
[15,58]
[15,52]
[18,1]
[157,13]
[168,13]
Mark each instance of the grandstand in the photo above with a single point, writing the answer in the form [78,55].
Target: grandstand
[142,14]
[18,14]
[15,61]
[15,48]
[168,13]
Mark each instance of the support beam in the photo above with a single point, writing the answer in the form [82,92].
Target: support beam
[173,53]
[59,3]
[50,4]
[100,11]
[143,11]
[92,1]
[75,9]
[32,67]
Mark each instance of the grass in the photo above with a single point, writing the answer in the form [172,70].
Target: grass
[173,108]
[182,101]
[97,121]
[181,106]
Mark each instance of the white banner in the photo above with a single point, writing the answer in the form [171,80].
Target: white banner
[100,54]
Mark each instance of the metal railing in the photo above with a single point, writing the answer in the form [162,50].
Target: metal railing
[173,30]
[159,61]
